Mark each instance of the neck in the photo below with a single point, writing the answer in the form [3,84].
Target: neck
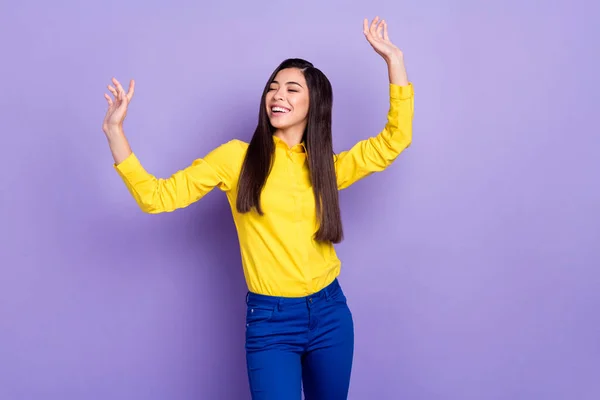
[291,136]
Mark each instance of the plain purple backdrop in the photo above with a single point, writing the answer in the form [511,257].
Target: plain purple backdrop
[471,265]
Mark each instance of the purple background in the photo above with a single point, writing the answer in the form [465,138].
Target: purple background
[471,265]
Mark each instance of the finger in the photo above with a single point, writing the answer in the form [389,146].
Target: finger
[131,90]
[123,100]
[117,84]
[373,28]
[385,32]
[108,99]
[122,94]
[367,29]
[380,29]
[374,22]
[113,91]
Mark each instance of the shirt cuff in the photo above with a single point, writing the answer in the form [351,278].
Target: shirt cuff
[401,92]
[128,165]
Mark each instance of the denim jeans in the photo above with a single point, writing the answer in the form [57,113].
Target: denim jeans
[299,343]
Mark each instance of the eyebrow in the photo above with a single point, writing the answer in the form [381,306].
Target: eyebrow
[289,83]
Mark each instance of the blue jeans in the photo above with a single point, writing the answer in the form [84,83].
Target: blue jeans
[299,343]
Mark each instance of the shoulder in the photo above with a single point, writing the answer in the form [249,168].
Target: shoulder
[228,149]
[239,144]
[228,155]
[234,146]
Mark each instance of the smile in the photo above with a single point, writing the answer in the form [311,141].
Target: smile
[279,110]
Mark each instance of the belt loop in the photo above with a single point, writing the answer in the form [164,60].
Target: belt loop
[279,304]
[247,296]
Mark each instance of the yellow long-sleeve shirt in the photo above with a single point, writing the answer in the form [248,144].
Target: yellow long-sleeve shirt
[279,255]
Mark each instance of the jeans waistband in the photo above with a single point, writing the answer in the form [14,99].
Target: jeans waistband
[323,294]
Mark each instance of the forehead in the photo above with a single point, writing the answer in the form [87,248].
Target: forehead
[290,75]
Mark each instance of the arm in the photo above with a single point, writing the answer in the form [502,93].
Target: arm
[184,187]
[379,152]
[113,120]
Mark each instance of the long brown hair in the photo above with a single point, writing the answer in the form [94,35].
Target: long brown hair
[317,138]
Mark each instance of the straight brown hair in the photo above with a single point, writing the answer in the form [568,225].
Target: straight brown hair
[319,146]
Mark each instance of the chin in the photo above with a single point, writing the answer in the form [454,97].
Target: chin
[278,125]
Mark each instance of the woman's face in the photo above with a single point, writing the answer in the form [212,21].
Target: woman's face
[287,99]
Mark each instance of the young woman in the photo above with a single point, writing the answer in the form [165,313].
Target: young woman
[283,191]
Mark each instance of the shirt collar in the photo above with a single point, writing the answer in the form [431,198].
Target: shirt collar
[299,148]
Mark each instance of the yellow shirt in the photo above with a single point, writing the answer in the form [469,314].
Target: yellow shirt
[279,255]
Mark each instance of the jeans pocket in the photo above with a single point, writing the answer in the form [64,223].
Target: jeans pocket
[338,297]
[256,314]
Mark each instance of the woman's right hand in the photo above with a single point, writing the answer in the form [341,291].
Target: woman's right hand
[117,108]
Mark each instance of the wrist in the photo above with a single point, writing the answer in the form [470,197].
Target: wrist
[112,132]
[113,129]
[397,74]
[395,60]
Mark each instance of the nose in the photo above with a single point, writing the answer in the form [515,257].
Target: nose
[278,95]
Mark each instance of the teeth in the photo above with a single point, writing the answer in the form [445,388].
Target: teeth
[279,109]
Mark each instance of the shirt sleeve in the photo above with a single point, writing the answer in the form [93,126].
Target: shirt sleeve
[184,187]
[379,152]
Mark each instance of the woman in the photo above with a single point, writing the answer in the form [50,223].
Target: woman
[283,191]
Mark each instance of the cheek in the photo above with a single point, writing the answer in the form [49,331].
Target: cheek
[302,107]
[268,98]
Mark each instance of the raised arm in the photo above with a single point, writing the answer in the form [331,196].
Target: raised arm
[114,118]
[379,152]
[156,195]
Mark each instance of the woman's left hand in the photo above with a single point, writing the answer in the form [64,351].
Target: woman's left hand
[377,35]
